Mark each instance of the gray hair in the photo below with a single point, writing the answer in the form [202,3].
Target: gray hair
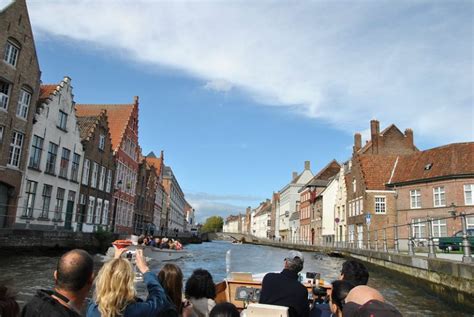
[295,264]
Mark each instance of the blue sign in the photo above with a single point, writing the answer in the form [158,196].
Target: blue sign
[367,219]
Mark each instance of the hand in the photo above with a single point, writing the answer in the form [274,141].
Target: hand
[119,252]
[141,261]
[187,309]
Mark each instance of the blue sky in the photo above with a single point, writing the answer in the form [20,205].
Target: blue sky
[239,94]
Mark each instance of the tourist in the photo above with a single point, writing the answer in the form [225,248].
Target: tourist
[224,310]
[171,278]
[366,301]
[164,244]
[8,305]
[355,272]
[200,290]
[321,306]
[284,289]
[115,293]
[73,278]
[339,292]
[152,242]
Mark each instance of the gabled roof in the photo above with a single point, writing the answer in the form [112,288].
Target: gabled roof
[264,208]
[391,127]
[328,171]
[376,169]
[450,160]
[46,91]
[86,124]
[118,118]
[155,161]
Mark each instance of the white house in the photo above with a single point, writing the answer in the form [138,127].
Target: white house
[340,205]
[51,181]
[288,197]
[328,213]
[261,225]
[232,224]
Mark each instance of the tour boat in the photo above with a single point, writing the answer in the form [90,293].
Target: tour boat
[149,252]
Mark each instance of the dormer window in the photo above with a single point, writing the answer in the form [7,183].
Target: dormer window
[11,53]
[428,166]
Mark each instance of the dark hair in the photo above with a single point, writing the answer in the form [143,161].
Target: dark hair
[224,310]
[340,289]
[8,305]
[74,270]
[200,284]
[355,272]
[171,278]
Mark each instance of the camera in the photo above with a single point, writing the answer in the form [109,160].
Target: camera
[313,275]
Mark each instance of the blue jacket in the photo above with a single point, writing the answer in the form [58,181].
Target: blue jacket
[155,302]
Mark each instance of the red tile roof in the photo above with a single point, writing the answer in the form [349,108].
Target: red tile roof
[376,169]
[448,160]
[118,117]
[46,91]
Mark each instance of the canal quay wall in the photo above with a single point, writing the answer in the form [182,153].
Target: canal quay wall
[451,280]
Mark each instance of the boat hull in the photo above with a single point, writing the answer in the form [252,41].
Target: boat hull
[155,253]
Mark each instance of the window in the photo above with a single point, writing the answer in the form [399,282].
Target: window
[90,210]
[1,133]
[62,120]
[108,187]
[4,94]
[470,222]
[354,187]
[36,149]
[105,213]
[75,167]
[51,159]
[103,171]
[438,196]
[23,104]
[468,194]
[85,172]
[64,165]
[101,142]
[439,228]
[15,149]
[379,204]
[47,190]
[59,204]
[30,198]
[11,53]
[95,172]
[98,211]
[415,198]
[418,228]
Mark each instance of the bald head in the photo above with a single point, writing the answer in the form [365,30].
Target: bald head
[362,294]
[74,270]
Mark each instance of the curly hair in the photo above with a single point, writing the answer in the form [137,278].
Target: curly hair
[355,272]
[114,287]
[199,285]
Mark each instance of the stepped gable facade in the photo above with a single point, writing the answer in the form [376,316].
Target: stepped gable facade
[159,217]
[123,126]
[19,92]
[371,206]
[437,183]
[96,194]
[51,181]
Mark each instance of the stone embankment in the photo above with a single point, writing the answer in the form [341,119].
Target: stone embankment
[451,280]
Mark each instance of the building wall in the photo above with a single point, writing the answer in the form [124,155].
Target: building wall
[89,219]
[305,215]
[340,205]
[15,26]
[328,215]
[61,211]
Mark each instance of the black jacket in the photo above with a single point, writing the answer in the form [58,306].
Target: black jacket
[43,305]
[284,289]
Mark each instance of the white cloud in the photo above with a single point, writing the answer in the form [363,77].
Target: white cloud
[343,62]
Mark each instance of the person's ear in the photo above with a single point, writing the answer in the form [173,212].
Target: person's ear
[341,277]
[55,274]
[333,308]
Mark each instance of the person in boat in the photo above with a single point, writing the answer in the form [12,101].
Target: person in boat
[115,293]
[73,279]
[171,277]
[339,292]
[152,242]
[363,300]
[200,290]
[284,289]
[224,310]
[8,305]
[164,244]
[355,272]
[178,245]
[320,307]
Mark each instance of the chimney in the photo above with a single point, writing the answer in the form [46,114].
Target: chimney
[374,134]
[357,142]
[294,175]
[307,165]
[409,136]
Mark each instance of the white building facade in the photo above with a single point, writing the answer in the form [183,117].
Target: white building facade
[340,205]
[328,213]
[176,201]
[50,185]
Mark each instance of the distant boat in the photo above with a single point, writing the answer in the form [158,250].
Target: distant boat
[148,251]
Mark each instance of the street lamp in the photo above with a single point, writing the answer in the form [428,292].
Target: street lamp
[119,186]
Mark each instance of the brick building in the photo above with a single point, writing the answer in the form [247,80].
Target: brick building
[369,170]
[19,91]
[160,194]
[274,212]
[435,183]
[51,181]
[147,185]
[96,193]
[123,125]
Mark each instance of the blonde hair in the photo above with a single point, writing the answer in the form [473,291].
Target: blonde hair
[114,287]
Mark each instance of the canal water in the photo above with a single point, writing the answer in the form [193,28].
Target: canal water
[25,274]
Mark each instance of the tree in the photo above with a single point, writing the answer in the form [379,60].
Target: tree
[213,224]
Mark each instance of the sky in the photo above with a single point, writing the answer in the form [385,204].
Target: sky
[238,94]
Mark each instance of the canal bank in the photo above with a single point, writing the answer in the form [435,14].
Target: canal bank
[453,281]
